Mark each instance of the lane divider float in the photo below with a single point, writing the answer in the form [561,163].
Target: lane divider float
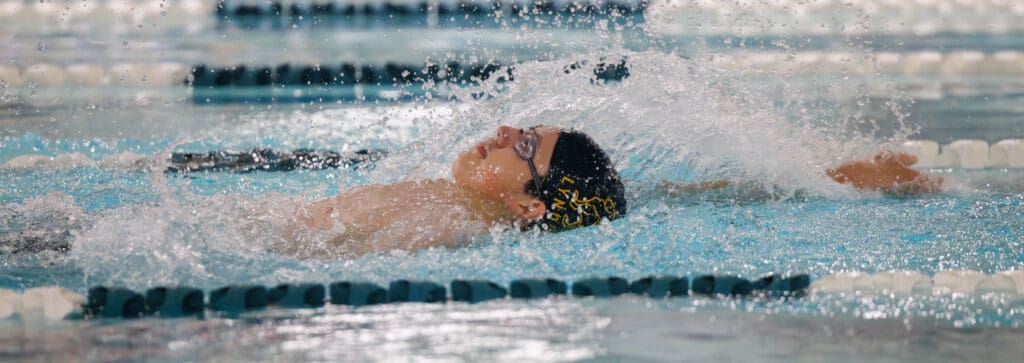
[422,8]
[922,63]
[906,282]
[967,153]
[55,303]
[103,302]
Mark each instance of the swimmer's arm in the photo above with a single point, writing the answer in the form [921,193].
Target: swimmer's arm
[889,172]
[319,215]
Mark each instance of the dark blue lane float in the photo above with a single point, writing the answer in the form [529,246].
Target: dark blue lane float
[270,160]
[114,302]
[179,301]
[600,287]
[416,291]
[238,298]
[661,286]
[536,288]
[347,82]
[175,301]
[357,294]
[474,291]
[725,285]
[235,10]
[303,295]
[782,286]
[205,76]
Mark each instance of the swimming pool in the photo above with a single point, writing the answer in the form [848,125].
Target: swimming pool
[773,108]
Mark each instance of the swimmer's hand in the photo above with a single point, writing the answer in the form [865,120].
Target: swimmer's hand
[887,171]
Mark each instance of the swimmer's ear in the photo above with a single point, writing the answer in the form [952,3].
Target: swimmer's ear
[527,207]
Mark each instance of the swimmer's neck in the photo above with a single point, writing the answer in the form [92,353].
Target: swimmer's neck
[489,210]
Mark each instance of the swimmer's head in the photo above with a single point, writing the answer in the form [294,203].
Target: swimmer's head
[578,186]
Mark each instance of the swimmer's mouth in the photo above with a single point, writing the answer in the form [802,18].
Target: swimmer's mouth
[481,149]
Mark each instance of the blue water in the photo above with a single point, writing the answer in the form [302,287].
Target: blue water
[679,116]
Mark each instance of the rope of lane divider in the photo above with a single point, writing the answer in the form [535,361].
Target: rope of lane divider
[345,73]
[103,302]
[460,8]
[967,153]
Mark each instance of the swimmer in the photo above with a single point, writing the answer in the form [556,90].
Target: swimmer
[543,177]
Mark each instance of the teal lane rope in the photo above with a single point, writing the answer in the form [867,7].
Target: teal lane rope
[206,76]
[233,10]
[114,302]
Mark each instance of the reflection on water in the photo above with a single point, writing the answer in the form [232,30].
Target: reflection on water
[621,329]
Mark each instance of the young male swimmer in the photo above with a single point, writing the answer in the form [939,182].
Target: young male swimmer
[543,176]
[552,178]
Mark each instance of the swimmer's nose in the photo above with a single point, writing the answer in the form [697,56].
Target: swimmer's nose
[507,136]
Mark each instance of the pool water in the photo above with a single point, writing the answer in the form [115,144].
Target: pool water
[683,114]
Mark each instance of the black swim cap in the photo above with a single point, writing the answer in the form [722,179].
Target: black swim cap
[581,187]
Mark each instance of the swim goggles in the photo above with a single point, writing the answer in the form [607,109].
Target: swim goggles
[526,147]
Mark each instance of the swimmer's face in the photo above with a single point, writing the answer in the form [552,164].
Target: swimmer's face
[492,167]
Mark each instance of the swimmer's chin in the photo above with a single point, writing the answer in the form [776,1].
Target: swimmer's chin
[464,167]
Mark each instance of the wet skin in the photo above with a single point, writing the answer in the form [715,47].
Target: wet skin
[488,189]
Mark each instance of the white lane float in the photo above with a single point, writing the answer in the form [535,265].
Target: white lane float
[900,282]
[10,303]
[50,303]
[957,281]
[838,282]
[44,74]
[1008,153]
[967,153]
[87,74]
[907,282]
